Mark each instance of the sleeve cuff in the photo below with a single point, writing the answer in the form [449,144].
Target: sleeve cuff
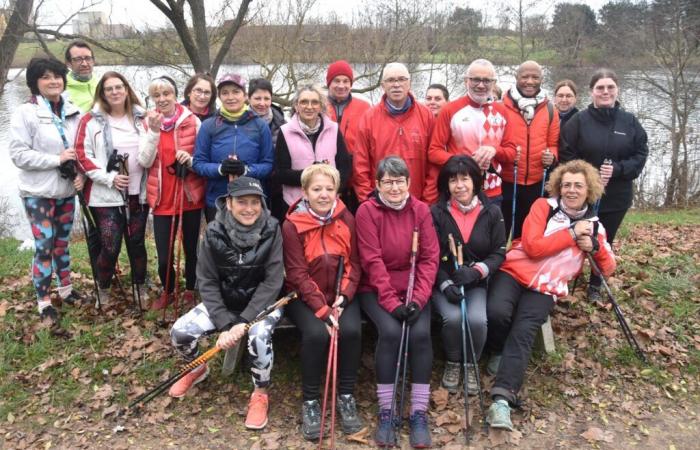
[323,312]
[445,284]
[483,269]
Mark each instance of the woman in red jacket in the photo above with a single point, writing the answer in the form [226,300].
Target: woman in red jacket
[385,225]
[557,234]
[318,231]
[169,143]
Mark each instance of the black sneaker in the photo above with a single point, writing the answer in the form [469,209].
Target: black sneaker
[311,420]
[420,433]
[49,315]
[385,435]
[74,297]
[593,294]
[349,420]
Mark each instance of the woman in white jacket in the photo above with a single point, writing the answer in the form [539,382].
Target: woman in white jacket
[41,146]
[107,145]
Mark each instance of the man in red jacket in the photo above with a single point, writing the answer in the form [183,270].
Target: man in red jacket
[472,125]
[342,107]
[532,131]
[399,125]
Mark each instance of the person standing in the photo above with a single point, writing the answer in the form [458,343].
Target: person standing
[81,84]
[342,107]
[436,96]
[200,96]
[472,125]
[42,131]
[608,137]
[565,103]
[532,131]
[399,125]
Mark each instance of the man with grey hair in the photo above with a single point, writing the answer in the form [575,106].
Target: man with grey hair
[472,125]
[532,135]
[398,125]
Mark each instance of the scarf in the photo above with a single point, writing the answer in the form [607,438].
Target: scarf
[340,106]
[307,129]
[527,105]
[244,236]
[572,213]
[564,116]
[268,117]
[305,207]
[233,116]
[397,111]
[395,206]
[168,123]
[466,208]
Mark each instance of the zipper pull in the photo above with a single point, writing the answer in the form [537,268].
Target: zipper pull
[240,258]
[400,131]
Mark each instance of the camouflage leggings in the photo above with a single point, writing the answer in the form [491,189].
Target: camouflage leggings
[196,323]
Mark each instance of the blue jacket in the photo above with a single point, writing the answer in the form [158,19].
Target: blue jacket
[248,138]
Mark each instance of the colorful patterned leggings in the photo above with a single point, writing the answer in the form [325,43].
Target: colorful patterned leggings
[196,323]
[112,225]
[51,220]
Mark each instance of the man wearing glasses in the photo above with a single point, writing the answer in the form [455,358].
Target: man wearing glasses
[80,82]
[472,125]
[398,125]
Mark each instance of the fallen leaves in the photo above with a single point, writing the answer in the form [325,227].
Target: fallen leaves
[596,434]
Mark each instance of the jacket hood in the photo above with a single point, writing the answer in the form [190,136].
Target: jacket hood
[302,219]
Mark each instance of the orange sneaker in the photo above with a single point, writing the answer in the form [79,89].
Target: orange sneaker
[257,411]
[184,384]
[163,301]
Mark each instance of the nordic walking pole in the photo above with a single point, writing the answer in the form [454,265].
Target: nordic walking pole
[332,364]
[457,263]
[631,340]
[544,175]
[124,170]
[181,173]
[145,398]
[171,242]
[515,191]
[596,206]
[402,356]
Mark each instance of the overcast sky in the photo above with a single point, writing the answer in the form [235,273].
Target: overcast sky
[54,12]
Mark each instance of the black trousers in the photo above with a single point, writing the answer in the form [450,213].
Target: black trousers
[525,197]
[611,221]
[165,244]
[514,313]
[314,347]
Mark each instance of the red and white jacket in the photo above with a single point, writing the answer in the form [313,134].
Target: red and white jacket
[546,257]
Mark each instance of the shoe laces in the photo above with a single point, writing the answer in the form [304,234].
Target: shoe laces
[452,372]
[347,404]
[312,410]
[418,418]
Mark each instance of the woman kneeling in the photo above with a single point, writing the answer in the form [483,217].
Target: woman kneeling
[239,273]
[557,234]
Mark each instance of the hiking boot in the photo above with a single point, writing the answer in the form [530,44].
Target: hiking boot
[105,296]
[74,297]
[163,301]
[311,420]
[472,385]
[349,420]
[499,415]
[493,364]
[257,411]
[50,316]
[385,435]
[184,384]
[593,294]
[189,300]
[450,376]
[419,435]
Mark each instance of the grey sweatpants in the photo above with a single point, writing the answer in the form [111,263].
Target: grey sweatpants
[196,323]
[451,315]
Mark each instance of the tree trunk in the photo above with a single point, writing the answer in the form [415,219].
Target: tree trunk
[16,27]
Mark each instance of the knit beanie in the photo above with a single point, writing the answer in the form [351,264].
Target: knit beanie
[340,67]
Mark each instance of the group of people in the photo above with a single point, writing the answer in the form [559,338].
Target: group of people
[335,192]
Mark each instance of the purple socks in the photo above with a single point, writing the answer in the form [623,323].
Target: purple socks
[384,392]
[420,396]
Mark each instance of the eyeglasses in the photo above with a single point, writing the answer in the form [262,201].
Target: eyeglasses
[478,81]
[310,102]
[574,186]
[115,88]
[401,182]
[82,59]
[201,92]
[399,80]
[601,88]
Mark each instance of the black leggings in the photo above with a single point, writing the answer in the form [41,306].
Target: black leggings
[164,245]
[389,330]
[611,221]
[314,347]
[111,223]
[526,196]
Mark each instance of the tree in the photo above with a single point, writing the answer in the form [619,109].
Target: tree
[465,24]
[514,16]
[17,25]
[621,33]
[573,27]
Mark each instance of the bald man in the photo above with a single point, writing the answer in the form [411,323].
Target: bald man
[532,133]
[398,125]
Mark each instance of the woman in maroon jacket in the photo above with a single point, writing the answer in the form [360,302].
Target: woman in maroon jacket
[385,224]
[318,231]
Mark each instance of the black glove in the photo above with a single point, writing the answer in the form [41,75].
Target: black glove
[67,170]
[413,313]
[177,169]
[465,276]
[453,293]
[400,313]
[231,166]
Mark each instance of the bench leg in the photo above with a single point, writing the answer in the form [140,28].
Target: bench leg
[544,342]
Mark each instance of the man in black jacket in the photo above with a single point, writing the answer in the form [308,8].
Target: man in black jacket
[239,272]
